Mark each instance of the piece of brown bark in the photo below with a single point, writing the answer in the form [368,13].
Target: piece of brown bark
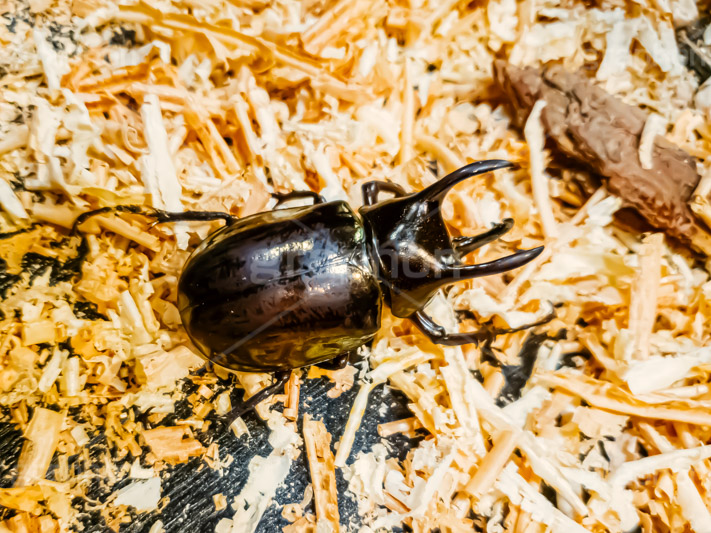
[590,126]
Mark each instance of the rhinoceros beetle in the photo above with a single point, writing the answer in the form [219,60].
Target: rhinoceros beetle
[300,286]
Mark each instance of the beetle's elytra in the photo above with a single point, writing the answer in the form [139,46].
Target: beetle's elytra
[281,289]
[299,286]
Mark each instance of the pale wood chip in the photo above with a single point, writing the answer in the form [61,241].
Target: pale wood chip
[16,137]
[170,444]
[406,426]
[323,473]
[220,501]
[535,137]
[408,115]
[42,437]
[436,147]
[331,23]
[643,298]
[342,379]
[128,230]
[492,463]
[607,396]
[291,406]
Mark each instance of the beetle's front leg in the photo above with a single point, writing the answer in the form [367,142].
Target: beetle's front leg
[438,335]
[373,188]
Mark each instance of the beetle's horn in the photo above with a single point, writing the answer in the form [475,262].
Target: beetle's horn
[421,291]
[465,245]
[504,264]
[438,189]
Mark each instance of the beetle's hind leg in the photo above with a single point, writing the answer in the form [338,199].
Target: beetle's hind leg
[280,379]
[159,215]
[466,245]
[190,216]
[337,363]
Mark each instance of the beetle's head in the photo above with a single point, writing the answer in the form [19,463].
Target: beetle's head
[414,253]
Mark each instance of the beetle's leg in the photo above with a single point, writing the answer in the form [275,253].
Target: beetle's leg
[280,379]
[465,245]
[159,215]
[204,369]
[190,216]
[373,188]
[438,335]
[337,363]
[294,195]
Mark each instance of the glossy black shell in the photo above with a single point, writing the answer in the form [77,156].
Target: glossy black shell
[281,289]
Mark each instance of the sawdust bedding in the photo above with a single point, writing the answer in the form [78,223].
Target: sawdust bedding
[214,105]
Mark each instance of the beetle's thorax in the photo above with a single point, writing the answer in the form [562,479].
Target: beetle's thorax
[413,251]
[410,245]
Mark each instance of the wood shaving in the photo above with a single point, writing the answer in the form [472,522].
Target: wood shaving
[407,426]
[644,295]
[214,106]
[653,126]
[494,461]
[323,474]
[291,405]
[42,436]
[170,444]
[535,137]
[342,379]
[220,502]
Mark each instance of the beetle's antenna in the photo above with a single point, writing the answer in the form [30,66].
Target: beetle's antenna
[439,188]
